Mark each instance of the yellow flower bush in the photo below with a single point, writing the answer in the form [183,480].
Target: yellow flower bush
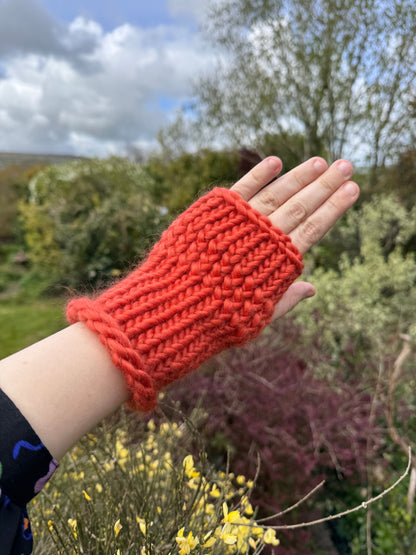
[113,495]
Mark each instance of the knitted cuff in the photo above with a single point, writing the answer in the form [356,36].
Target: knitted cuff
[211,282]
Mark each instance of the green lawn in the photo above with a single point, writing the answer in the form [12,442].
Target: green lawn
[22,324]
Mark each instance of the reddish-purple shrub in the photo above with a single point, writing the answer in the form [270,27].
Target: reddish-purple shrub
[264,399]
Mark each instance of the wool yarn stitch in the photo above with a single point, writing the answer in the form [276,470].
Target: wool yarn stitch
[211,282]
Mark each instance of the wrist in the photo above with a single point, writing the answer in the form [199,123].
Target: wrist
[63,385]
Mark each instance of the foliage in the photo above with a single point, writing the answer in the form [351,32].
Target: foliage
[178,180]
[362,306]
[392,529]
[290,147]
[13,180]
[401,178]
[9,272]
[262,399]
[112,495]
[340,73]
[86,221]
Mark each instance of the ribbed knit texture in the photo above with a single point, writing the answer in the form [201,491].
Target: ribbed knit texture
[211,282]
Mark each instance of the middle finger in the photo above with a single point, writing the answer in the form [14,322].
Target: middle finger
[301,205]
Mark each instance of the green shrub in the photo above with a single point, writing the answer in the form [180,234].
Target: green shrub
[392,525]
[13,181]
[112,496]
[180,180]
[361,309]
[86,221]
[370,298]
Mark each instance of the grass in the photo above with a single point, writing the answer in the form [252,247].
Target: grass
[26,316]
[25,323]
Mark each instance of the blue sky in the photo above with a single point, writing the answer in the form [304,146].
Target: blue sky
[95,78]
[113,13]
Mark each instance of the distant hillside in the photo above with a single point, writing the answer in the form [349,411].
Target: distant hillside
[30,160]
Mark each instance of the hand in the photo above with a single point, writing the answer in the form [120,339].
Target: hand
[304,203]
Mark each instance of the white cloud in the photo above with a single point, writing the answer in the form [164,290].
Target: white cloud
[196,9]
[87,91]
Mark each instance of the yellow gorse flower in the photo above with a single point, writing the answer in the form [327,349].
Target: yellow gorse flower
[73,524]
[215,492]
[234,516]
[209,541]
[87,497]
[246,506]
[188,464]
[226,534]
[270,537]
[142,525]
[186,544]
[122,454]
[117,527]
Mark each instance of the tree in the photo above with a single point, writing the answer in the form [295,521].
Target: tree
[402,175]
[340,72]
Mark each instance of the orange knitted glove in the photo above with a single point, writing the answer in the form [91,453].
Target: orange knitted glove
[212,281]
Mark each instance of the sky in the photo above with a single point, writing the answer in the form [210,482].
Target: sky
[93,77]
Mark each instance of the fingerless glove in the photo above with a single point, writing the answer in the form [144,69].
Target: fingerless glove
[211,282]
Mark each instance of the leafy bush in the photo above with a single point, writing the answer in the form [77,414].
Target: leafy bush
[13,181]
[179,180]
[361,307]
[357,319]
[264,400]
[86,221]
[112,495]
[392,525]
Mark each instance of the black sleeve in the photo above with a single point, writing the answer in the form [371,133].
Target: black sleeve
[25,467]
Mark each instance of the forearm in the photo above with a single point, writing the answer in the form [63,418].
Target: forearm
[63,385]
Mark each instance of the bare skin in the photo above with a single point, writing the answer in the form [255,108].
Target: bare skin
[66,384]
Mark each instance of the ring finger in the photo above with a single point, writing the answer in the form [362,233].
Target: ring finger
[305,202]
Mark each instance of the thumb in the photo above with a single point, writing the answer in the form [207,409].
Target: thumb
[297,292]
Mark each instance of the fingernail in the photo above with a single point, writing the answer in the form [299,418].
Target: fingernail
[319,165]
[274,163]
[351,188]
[346,169]
[311,293]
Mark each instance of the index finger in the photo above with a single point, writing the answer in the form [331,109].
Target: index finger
[258,177]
